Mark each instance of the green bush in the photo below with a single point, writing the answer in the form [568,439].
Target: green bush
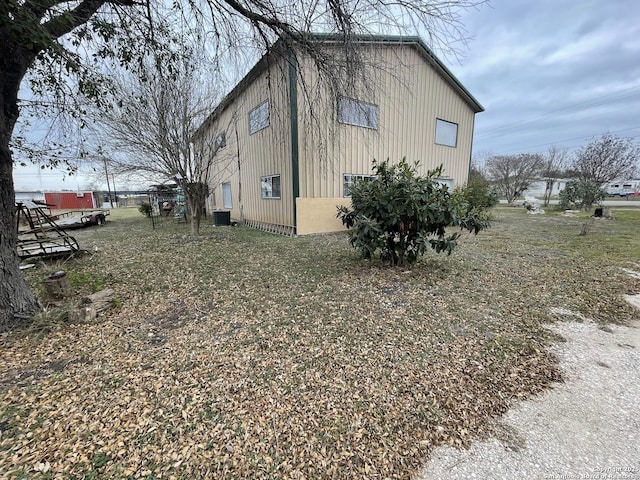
[146,209]
[580,194]
[401,214]
[478,193]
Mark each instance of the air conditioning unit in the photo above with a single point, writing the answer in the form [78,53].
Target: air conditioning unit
[80,195]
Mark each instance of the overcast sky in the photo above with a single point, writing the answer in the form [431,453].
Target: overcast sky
[552,72]
[548,72]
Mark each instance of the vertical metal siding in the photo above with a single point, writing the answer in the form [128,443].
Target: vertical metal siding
[410,95]
[266,152]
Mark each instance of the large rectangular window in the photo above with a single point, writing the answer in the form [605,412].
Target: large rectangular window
[259,117]
[446,133]
[270,186]
[353,112]
[349,179]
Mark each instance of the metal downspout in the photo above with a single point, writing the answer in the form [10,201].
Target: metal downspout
[293,118]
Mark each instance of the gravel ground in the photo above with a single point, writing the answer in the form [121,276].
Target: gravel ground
[585,428]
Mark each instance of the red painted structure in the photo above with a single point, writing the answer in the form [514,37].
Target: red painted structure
[69,200]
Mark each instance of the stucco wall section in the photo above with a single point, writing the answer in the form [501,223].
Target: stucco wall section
[318,215]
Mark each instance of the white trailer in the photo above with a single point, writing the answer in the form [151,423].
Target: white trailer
[624,188]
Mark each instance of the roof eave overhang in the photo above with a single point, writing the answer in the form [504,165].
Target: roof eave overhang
[276,51]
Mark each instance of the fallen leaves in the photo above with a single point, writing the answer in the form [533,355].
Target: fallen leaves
[254,356]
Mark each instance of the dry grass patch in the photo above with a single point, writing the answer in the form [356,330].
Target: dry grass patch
[245,355]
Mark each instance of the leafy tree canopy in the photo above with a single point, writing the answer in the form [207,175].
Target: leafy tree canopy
[581,194]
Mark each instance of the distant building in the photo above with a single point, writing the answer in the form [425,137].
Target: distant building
[29,196]
[539,187]
[624,188]
[70,200]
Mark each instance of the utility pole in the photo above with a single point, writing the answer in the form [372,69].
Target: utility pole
[115,191]
[106,173]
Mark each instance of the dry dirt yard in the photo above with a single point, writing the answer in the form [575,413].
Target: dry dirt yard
[241,354]
[586,427]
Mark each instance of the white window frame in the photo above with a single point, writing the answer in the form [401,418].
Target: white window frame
[228,205]
[357,113]
[349,179]
[446,182]
[259,117]
[266,187]
[444,133]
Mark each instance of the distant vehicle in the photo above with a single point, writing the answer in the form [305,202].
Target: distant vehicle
[625,188]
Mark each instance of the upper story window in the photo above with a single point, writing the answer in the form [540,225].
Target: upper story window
[349,179]
[259,117]
[221,141]
[446,133]
[353,112]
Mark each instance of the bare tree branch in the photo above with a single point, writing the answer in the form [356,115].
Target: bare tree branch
[554,164]
[606,159]
[512,174]
[67,21]
[151,127]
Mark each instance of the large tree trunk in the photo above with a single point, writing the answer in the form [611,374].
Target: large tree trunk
[195,224]
[548,191]
[195,209]
[195,195]
[16,299]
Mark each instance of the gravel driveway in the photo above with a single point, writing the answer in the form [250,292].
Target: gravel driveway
[585,428]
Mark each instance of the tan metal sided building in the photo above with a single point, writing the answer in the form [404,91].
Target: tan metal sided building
[287,145]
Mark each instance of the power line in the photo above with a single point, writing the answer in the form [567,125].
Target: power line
[598,101]
[44,174]
[571,139]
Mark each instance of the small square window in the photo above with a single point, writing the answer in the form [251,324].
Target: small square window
[259,117]
[360,114]
[349,179]
[221,140]
[270,186]
[446,133]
